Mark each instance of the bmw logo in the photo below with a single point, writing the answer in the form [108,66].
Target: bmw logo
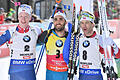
[86,43]
[26,38]
[59,43]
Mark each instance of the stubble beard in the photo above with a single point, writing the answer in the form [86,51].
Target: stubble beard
[60,29]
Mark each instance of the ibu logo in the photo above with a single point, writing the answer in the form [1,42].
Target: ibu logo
[86,43]
[59,43]
[26,38]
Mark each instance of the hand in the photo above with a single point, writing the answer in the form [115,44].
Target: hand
[75,70]
[103,65]
[109,41]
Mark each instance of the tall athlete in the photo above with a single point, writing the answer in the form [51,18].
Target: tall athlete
[91,50]
[22,42]
[54,40]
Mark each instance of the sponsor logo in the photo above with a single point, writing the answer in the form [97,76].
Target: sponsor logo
[23,62]
[90,72]
[86,43]
[26,38]
[59,43]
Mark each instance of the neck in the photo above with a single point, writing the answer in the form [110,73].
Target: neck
[89,34]
[61,33]
[23,26]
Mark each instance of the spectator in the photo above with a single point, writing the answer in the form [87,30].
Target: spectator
[1,15]
[8,20]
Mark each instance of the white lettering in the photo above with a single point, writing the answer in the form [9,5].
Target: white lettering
[81,71]
[91,72]
[18,62]
[30,62]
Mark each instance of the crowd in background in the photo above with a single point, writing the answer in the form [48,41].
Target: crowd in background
[9,17]
[112,7]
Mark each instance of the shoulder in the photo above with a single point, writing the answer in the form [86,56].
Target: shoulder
[36,29]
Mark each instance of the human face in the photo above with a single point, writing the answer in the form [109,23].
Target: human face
[24,19]
[59,23]
[87,27]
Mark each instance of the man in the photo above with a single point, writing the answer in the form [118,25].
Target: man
[22,42]
[8,21]
[91,50]
[2,15]
[54,40]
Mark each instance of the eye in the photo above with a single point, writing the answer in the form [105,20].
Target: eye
[87,22]
[20,16]
[81,23]
[61,18]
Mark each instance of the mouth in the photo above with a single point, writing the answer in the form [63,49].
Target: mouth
[58,25]
[84,29]
[23,22]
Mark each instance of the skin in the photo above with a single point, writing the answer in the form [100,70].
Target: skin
[59,23]
[24,19]
[87,27]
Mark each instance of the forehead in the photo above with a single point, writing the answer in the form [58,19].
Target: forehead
[85,21]
[58,16]
[23,14]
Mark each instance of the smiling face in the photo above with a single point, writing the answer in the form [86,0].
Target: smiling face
[24,19]
[59,23]
[87,27]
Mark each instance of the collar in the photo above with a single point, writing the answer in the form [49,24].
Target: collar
[21,30]
[66,33]
[93,35]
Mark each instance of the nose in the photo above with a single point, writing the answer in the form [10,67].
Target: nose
[58,21]
[23,18]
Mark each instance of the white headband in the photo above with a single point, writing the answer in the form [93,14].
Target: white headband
[61,14]
[25,8]
[87,16]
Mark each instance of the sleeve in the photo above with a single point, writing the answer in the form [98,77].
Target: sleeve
[38,30]
[115,51]
[114,48]
[42,38]
[66,48]
[5,37]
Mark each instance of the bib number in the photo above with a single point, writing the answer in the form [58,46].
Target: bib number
[57,53]
[27,48]
[84,55]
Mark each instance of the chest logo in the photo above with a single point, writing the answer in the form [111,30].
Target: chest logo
[59,43]
[86,43]
[26,38]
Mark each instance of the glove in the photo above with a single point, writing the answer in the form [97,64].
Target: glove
[109,41]
[103,65]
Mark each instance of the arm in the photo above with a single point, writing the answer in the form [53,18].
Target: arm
[114,48]
[115,51]
[42,37]
[5,37]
